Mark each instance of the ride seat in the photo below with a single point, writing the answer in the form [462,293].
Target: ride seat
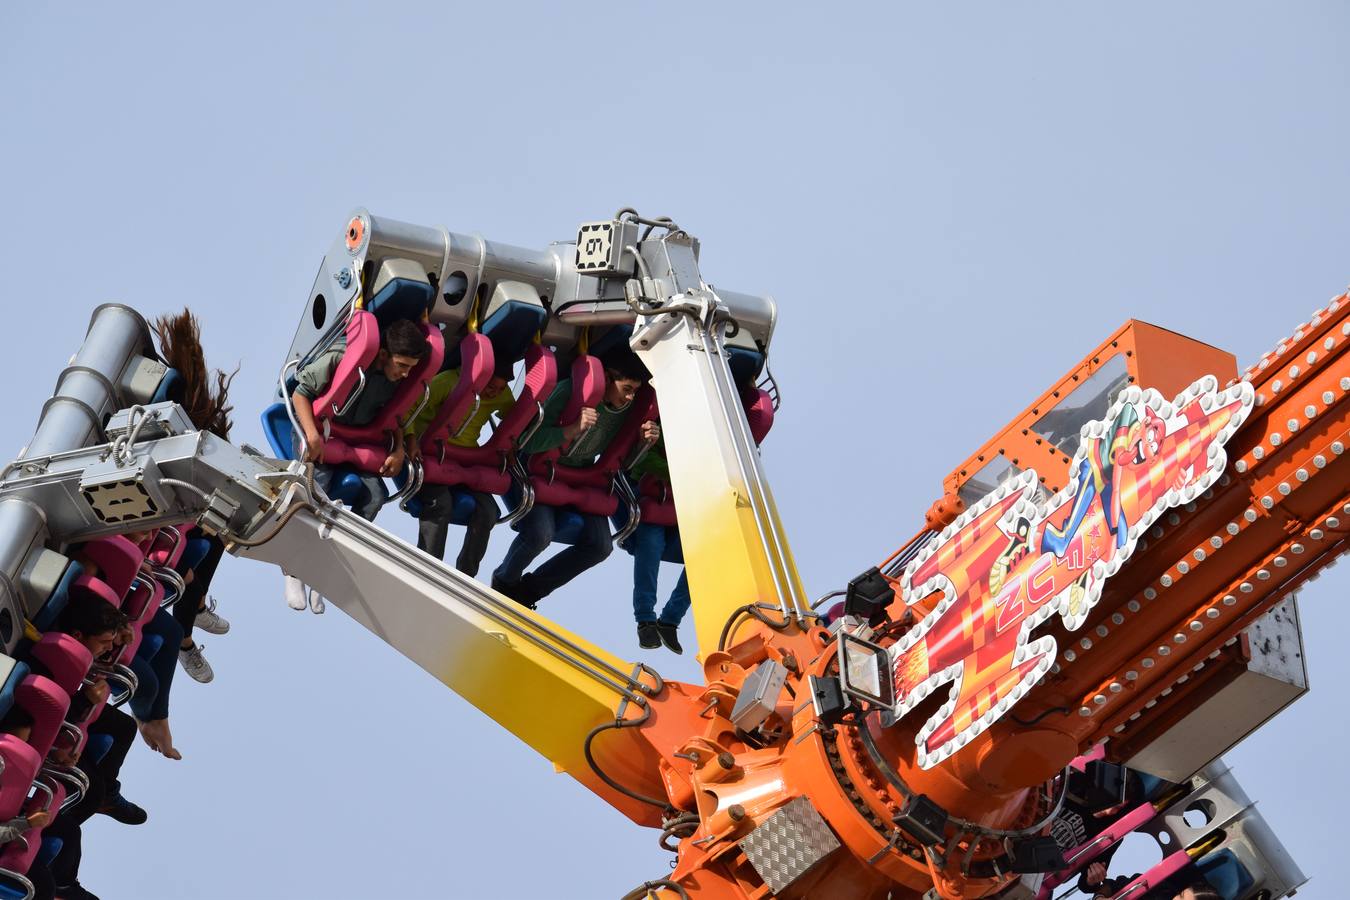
[19,765]
[1226,874]
[140,606]
[167,546]
[477,362]
[346,486]
[93,586]
[484,468]
[65,659]
[44,700]
[556,485]
[118,561]
[574,490]
[17,673]
[46,615]
[172,387]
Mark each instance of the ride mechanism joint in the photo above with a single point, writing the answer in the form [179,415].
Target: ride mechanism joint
[1099,578]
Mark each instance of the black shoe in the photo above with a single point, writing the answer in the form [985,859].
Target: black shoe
[670,636]
[74,892]
[648,637]
[514,591]
[120,809]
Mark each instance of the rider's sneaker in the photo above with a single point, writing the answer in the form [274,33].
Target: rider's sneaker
[316,604]
[295,593]
[195,664]
[209,621]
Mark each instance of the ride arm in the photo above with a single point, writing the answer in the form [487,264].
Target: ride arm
[735,549]
[547,686]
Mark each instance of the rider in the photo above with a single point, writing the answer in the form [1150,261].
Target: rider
[437,499]
[402,346]
[582,442]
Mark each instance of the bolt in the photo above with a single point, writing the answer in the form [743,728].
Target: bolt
[736,812]
[726,760]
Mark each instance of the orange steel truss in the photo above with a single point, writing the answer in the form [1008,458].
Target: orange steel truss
[1165,636]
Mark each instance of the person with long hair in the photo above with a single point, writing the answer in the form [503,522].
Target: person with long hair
[204,395]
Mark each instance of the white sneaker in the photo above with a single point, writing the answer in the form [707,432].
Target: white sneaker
[316,604]
[195,664]
[295,593]
[209,621]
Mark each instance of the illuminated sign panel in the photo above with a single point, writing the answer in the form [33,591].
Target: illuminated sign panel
[1011,562]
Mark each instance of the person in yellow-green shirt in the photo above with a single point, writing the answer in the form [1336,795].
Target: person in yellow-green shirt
[438,502]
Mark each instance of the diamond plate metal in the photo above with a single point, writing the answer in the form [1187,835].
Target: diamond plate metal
[788,843]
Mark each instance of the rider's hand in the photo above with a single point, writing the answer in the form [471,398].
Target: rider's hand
[39,818]
[313,447]
[651,432]
[393,464]
[97,692]
[583,424]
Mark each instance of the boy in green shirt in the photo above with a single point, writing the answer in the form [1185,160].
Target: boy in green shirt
[438,501]
[584,440]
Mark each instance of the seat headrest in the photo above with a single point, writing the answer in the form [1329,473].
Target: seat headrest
[588,388]
[745,364]
[401,291]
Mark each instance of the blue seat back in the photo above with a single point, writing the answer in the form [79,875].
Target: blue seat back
[1226,874]
[461,512]
[194,553]
[511,328]
[401,298]
[171,387]
[59,597]
[277,429]
[16,675]
[745,365]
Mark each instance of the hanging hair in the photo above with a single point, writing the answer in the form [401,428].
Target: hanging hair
[206,403]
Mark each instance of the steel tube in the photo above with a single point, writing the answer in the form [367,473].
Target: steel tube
[117,334]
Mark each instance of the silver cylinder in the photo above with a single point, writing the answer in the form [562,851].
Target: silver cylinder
[86,392]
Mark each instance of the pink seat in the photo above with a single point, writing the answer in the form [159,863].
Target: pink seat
[141,604]
[590,489]
[167,545]
[18,855]
[759,412]
[484,468]
[44,700]
[21,764]
[66,660]
[363,345]
[392,416]
[477,362]
[655,501]
[118,560]
[588,388]
[93,586]
[366,447]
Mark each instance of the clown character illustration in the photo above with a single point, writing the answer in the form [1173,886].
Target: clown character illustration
[1133,441]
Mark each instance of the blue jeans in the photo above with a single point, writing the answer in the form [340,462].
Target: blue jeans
[368,505]
[536,533]
[649,543]
[154,666]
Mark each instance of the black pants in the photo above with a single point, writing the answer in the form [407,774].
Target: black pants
[185,610]
[438,504]
[65,868]
[103,787]
[122,729]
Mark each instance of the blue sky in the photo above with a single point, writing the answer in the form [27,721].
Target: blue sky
[951,204]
